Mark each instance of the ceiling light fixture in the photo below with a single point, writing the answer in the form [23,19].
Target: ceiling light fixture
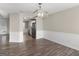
[40,12]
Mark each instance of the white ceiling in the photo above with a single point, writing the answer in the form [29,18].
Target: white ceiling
[30,7]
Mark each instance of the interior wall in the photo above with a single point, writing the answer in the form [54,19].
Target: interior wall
[63,27]
[65,21]
[16,27]
[25,26]
[39,28]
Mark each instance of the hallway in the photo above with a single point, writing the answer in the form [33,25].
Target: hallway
[40,47]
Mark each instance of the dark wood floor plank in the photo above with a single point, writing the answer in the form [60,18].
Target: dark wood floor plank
[40,47]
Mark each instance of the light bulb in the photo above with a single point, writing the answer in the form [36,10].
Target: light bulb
[40,14]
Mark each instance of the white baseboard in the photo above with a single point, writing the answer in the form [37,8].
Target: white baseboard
[66,39]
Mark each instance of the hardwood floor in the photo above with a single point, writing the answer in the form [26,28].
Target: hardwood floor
[40,47]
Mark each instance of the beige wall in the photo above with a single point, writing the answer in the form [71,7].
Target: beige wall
[63,27]
[64,21]
[16,27]
[14,23]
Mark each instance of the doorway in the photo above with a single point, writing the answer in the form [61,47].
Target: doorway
[30,28]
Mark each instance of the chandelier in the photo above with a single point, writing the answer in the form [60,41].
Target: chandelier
[40,12]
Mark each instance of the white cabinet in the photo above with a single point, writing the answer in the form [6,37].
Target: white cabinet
[3,26]
[4,38]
